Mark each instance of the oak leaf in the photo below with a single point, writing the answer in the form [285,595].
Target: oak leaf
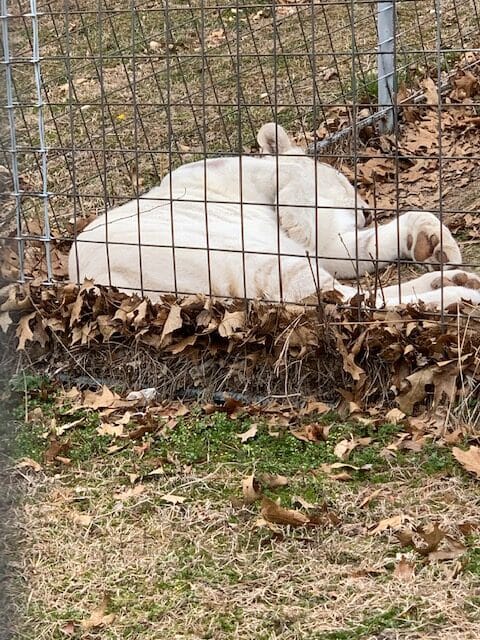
[469,459]
[273,512]
[99,399]
[273,481]
[99,616]
[388,523]
[232,322]
[173,322]
[24,332]
[173,498]
[251,489]
[404,570]
[249,434]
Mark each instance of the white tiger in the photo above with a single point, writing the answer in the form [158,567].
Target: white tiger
[278,226]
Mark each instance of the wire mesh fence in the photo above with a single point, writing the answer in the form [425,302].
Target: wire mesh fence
[104,100]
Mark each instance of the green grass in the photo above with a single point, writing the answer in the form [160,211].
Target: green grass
[156,559]
[473,558]
[210,440]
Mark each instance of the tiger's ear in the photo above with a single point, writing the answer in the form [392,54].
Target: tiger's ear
[273,139]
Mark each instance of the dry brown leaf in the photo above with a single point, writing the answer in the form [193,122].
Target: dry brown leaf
[99,617]
[469,526]
[405,536]
[72,396]
[5,321]
[29,464]
[272,481]
[249,434]
[469,459]
[329,74]
[181,345]
[453,437]
[345,447]
[99,399]
[311,432]
[158,471]
[404,570]
[344,465]
[172,323]
[366,501]
[466,86]
[388,523]
[261,523]
[452,551]
[68,629]
[107,429]
[55,449]
[251,489]
[173,498]
[344,476]
[416,393]
[76,310]
[394,416]
[60,429]
[24,332]
[314,406]
[231,323]
[302,502]
[348,357]
[342,449]
[232,407]
[272,512]
[143,396]
[430,90]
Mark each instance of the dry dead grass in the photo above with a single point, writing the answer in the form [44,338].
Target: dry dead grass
[204,569]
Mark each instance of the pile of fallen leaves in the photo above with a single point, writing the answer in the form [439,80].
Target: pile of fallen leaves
[366,358]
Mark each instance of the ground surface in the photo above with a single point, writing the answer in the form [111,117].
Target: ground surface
[9,497]
[166,534]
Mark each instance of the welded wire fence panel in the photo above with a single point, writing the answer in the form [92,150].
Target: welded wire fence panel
[103,100]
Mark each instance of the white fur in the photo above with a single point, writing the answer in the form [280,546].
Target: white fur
[158,243]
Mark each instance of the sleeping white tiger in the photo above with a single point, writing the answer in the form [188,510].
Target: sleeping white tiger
[277,226]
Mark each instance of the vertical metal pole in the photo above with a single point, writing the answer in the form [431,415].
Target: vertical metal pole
[386,62]
[10,107]
[45,196]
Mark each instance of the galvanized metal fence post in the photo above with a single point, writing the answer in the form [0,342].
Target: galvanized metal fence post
[386,62]
[10,110]
[14,151]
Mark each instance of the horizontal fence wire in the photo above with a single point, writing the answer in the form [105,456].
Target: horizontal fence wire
[102,101]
